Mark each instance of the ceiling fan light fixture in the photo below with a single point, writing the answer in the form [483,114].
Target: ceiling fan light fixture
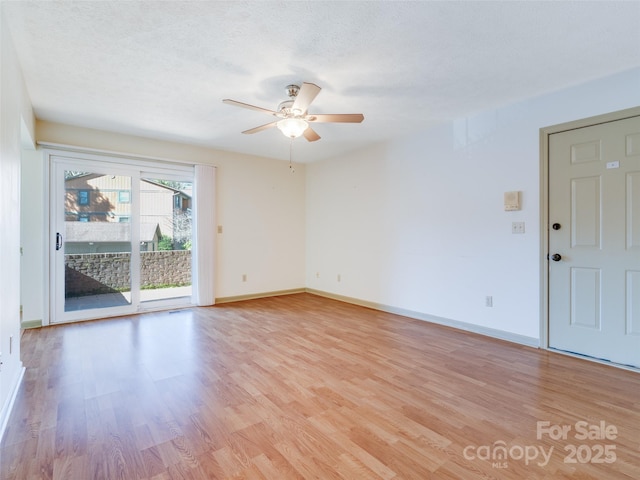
[292,117]
[292,127]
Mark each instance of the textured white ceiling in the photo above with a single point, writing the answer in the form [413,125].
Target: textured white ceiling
[161,68]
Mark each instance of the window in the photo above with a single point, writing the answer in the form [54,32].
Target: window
[124,196]
[123,219]
[83,217]
[83,197]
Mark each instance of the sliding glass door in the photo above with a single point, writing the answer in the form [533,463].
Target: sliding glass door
[121,238]
[165,239]
[95,241]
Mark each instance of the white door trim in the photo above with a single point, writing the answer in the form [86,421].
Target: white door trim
[544,204]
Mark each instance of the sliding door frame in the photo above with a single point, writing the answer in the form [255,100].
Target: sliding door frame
[106,163]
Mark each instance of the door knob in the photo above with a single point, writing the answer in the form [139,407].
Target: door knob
[556,226]
[556,257]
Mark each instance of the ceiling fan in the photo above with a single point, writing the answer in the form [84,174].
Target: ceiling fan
[293,118]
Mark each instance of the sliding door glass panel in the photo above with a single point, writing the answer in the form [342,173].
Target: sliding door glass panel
[165,239]
[97,240]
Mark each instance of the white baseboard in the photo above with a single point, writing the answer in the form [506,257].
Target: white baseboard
[8,406]
[253,296]
[468,327]
[25,324]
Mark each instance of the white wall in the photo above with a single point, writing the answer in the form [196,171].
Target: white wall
[32,235]
[260,206]
[418,224]
[16,122]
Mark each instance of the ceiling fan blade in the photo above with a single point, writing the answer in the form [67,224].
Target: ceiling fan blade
[246,105]
[306,95]
[261,128]
[336,117]
[311,135]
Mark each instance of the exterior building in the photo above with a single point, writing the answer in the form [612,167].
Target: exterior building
[94,199]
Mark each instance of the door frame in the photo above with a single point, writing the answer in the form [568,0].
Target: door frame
[124,162]
[545,133]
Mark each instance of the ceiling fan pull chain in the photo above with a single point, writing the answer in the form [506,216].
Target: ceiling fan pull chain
[291,169]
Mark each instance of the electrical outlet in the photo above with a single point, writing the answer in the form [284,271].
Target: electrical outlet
[317,274]
[517,227]
[488,301]
[339,277]
[244,277]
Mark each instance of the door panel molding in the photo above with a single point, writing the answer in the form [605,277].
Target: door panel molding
[586,227]
[633,307]
[633,207]
[586,298]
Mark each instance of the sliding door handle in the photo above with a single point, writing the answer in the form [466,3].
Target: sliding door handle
[58,241]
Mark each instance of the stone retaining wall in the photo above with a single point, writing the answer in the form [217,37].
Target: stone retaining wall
[96,273]
[165,268]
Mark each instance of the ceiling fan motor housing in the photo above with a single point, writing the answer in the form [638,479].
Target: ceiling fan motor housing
[292,91]
[284,109]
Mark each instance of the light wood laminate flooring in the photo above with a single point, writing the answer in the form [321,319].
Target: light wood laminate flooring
[303,387]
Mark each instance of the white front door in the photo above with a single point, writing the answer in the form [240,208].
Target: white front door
[594,241]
